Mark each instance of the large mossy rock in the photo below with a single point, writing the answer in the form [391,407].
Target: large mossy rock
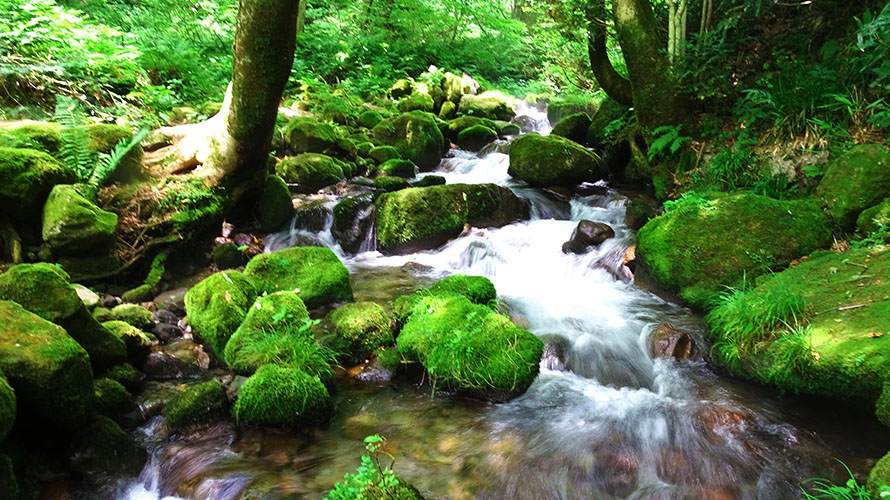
[871,219]
[457,86]
[199,404]
[573,127]
[397,168]
[470,348]
[819,328]
[48,370]
[26,178]
[361,327]
[552,160]
[311,171]
[73,224]
[308,135]
[275,207]
[382,154]
[7,408]
[282,397]
[401,88]
[701,246]
[491,105]
[416,135]
[878,477]
[315,273]
[478,289]
[42,136]
[858,180]
[416,101]
[416,219]
[44,289]
[454,127]
[273,315]
[476,137]
[217,305]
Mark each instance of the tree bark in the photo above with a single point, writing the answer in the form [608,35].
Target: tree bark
[616,86]
[301,16]
[240,135]
[654,87]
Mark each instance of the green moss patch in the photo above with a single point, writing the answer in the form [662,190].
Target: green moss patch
[111,398]
[282,397]
[416,101]
[135,315]
[137,341]
[198,404]
[315,273]
[476,137]
[701,246]
[553,160]
[416,135]
[74,224]
[217,305]
[26,178]
[491,105]
[470,348]
[275,207]
[362,327]
[310,171]
[854,182]
[7,408]
[397,168]
[573,127]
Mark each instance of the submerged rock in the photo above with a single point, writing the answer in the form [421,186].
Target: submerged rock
[416,219]
[587,234]
[315,273]
[549,161]
[665,341]
[701,246]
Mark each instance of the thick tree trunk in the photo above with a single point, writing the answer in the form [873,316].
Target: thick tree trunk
[301,16]
[239,136]
[616,86]
[655,90]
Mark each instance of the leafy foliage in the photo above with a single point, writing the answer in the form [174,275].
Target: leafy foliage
[369,475]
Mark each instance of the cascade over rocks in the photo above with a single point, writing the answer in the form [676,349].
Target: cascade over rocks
[353,218]
[701,246]
[587,234]
[548,161]
[417,219]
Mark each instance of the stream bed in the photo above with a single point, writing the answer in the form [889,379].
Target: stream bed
[603,420]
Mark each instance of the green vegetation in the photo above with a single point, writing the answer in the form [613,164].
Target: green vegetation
[372,480]
[282,397]
[361,327]
[314,273]
[7,408]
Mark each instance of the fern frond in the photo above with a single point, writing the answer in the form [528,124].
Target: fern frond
[75,150]
[108,162]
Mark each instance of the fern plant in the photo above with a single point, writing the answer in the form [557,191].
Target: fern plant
[108,162]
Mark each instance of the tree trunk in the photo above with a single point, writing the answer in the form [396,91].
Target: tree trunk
[677,30]
[654,86]
[301,16]
[239,136]
[616,86]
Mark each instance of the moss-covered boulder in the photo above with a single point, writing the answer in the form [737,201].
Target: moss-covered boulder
[199,404]
[553,160]
[878,477]
[315,273]
[416,135]
[390,183]
[126,375]
[448,110]
[26,178]
[416,219]
[491,105]
[110,398]
[429,180]
[457,86]
[217,305]
[134,314]
[275,207]
[44,289]
[703,245]
[398,168]
[479,289]
[308,135]
[855,181]
[454,127]
[7,408]
[310,171]
[138,342]
[103,449]
[282,397]
[73,224]
[42,136]
[369,118]
[508,129]
[361,327]
[818,328]
[271,313]
[382,154]
[416,101]
[609,111]
[470,348]
[573,127]
[476,137]
[401,88]
[48,370]
[871,219]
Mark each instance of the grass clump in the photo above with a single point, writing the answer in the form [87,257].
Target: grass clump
[282,397]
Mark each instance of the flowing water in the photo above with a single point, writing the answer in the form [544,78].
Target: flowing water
[602,421]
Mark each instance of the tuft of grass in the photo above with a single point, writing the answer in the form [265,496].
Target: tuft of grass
[823,489]
[291,346]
